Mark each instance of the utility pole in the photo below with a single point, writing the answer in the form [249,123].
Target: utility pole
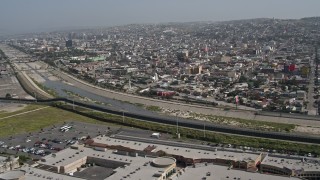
[316,63]
[204,129]
[177,126]
[122,116]
[35,95]
[237,101]
[73,102]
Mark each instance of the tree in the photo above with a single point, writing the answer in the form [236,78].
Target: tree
[8,96]
[243,79]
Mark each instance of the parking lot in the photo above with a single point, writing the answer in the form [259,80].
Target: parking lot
[51,139]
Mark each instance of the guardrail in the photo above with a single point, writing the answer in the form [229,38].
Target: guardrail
[194,124]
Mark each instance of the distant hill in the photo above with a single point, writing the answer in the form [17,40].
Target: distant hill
[311,18]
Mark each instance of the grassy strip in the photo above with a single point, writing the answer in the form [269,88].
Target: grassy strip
[36,120]
[252,124]
[70,93]
[33,121]
[25,109]
[139,104]
[154,108]
[280,146]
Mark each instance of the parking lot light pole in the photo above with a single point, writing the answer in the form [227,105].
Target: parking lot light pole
[177,125]
[73,103]
[204,129]
[122,116]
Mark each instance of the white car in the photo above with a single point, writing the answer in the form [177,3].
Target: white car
[25,150]
[28,140]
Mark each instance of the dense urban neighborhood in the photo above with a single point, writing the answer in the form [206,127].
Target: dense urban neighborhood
[267,64]
[166,101]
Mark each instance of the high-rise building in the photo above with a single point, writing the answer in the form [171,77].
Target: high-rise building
[69,43]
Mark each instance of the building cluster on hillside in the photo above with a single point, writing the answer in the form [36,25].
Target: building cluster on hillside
[266,63]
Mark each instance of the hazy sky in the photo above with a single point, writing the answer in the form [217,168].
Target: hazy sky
[29,15]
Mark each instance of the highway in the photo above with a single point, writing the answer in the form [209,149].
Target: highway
[311,109]
[187,123]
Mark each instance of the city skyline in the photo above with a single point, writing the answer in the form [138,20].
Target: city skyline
[34,15]
[170,89]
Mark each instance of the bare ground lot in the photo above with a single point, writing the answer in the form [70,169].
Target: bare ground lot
[298,128]
[11,107]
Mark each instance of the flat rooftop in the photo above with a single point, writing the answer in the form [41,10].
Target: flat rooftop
[2,159]
[186,152]
[137,168]
[69,155]
[94,173]
[291,162]
[37,174]
[142,168]
[306,163]
[222,173]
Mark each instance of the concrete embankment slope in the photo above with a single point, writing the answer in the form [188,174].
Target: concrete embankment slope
[257,115]
[30,87]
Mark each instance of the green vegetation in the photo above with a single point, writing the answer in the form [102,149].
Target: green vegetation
[139,104]
[154,108]
[198,134]
[68,54]
[78,96]
[70,93]
[44,88]
[8,96]
[258,125]
[23,159]
[33,121]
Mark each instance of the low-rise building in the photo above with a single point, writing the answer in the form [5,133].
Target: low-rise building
[8,163]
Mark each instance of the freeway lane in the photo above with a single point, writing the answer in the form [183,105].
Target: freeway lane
[189,123]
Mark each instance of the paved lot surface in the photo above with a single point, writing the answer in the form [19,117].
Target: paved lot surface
[17,144]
